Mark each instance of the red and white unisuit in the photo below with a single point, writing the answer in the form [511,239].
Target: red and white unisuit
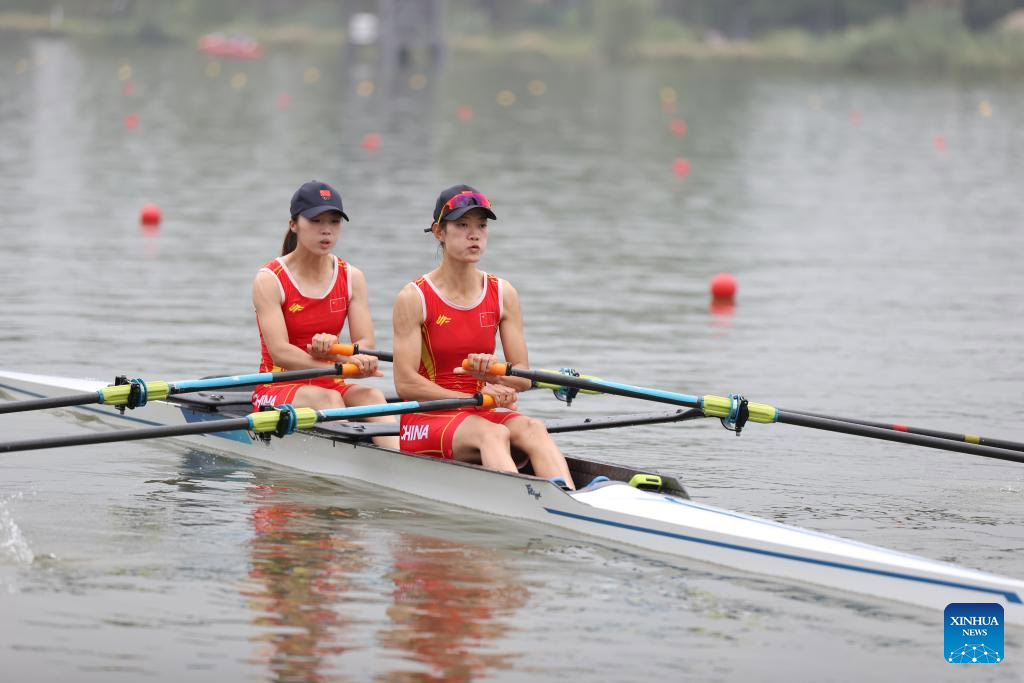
[304,316]
[450,333]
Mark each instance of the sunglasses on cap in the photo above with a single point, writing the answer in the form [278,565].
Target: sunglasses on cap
[462,200]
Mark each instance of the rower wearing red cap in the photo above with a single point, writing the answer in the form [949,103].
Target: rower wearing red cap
[452,313]
[303,299]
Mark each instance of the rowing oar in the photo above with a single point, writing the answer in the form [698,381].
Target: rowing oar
[282,421]
[353,349]
[136,393]
[731,409]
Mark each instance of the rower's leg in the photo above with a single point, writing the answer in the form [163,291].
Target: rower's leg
[360,395]
[531,436]
[478,440]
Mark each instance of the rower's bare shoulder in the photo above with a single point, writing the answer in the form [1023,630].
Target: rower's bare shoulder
[265,282]
[408,306]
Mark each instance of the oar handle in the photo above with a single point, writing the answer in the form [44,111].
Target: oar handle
[501,369]
[353,349]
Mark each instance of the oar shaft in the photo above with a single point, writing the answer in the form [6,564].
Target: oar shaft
[52,402]
[353,349]
[717,406]
[264,421]
[845,427]
[241,423]
[118,394]
[213,383]
[600,385]
[938,434]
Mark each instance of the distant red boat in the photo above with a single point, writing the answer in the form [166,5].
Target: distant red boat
[232,47]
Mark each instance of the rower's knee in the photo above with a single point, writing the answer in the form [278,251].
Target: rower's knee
[495,436]
[374,395]
[531,431]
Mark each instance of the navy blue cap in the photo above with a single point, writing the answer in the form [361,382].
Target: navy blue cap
[315,198]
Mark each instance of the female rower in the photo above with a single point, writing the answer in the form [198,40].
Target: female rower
[302,300]
[453,313]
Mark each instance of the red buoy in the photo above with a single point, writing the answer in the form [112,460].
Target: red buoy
[371,142]
[723,287]
[464,114]
[678,127]
[284,100]
[681,167]
[131,121]
[151,215]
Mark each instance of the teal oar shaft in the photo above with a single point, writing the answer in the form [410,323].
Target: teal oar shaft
[951,436]
[788,417]
[213,383]
[261,422]
[606,387]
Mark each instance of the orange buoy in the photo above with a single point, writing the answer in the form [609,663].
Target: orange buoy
[681,167]
[371,142]
[150,216]
[723,287]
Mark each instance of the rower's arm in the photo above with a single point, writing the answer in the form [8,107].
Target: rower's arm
[266,299]
[407,319]
[360,324]
[513,341]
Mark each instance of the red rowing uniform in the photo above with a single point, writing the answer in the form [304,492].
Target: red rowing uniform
[450,333]
[304,316]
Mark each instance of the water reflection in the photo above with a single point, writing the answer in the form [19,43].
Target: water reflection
[452,604]
[303,562]
[313,591]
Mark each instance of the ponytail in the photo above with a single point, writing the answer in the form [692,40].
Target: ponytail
[291,240]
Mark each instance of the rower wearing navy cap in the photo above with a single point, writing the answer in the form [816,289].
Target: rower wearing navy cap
[303,299]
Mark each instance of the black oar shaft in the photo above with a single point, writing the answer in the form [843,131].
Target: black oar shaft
[206,427]
[805,420]
[52,402]
[1010,451]
[354,349]
[952,436]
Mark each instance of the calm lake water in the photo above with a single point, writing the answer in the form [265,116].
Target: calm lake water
[875,228]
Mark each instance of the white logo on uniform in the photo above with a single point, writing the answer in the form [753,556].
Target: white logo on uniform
[415,432]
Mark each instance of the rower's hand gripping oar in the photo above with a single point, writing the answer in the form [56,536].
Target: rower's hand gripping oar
[731,411]
[280,421]
[135,393]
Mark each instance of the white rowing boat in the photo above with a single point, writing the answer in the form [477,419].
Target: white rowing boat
[664,520]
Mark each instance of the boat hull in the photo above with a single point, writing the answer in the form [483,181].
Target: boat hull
[662,522]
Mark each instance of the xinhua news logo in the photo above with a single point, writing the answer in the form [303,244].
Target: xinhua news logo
[974,633]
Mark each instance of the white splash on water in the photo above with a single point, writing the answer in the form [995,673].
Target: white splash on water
[13,546]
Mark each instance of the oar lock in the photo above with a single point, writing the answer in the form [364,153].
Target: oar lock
[137,395]
[281,420]
[739,413]
[564,393]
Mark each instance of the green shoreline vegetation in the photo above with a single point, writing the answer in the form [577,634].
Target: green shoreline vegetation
[932,38]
